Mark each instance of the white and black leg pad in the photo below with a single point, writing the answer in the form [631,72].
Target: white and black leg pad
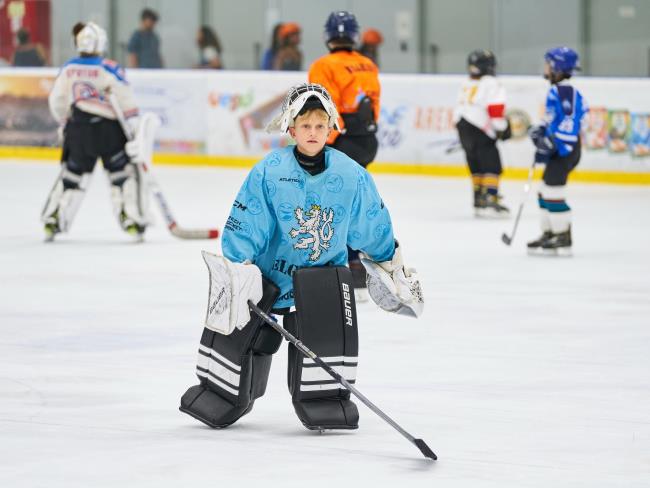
[233,369]
[326,321]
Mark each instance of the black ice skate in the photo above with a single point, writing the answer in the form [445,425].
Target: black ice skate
[479,201]
[493,207]
[558,244]
[536,245]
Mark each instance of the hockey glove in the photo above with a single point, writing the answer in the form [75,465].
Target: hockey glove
[393,287]
[545,147]
[231,286]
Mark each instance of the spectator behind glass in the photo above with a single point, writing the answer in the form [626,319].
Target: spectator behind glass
[26,53]
[371,39]
[144,45]
[209,49]
[289,57]
[270,53]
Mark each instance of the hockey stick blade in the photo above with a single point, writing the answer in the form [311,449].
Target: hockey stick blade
[271,322]
[424,449]
[506,240]
[194,233]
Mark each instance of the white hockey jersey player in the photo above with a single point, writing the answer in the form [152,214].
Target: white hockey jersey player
[85,83]
[480,121]
[481,102]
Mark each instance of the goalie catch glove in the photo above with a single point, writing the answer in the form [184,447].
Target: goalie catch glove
[393,287]
[231,286]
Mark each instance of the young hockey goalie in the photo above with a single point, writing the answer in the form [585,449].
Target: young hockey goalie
[285,248]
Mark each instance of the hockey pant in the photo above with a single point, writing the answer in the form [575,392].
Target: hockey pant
[325,320]
[555,212]
[233,369]
[88,137]
[482,156]
[359,141]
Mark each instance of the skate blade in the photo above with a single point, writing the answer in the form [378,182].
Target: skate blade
[494,215]
[551,253]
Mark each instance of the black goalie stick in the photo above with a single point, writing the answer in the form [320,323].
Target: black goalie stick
[170,221]
[419,443]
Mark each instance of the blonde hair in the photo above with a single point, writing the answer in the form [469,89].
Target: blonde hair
[310,111]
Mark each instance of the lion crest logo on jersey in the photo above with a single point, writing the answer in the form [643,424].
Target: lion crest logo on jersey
[317,224]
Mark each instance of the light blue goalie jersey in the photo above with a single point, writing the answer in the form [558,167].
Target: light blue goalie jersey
[565,109]
[284,218]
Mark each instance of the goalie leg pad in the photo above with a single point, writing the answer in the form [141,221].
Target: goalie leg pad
[129,195]
[326,321]
[65,198]
[233,369]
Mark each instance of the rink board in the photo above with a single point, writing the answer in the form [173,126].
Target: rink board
[219,119]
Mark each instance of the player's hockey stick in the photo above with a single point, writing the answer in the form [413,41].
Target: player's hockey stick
[504,237]
[419,443]
[172,225]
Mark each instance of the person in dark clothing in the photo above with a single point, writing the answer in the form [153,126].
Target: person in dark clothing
[144,45]
[27,54]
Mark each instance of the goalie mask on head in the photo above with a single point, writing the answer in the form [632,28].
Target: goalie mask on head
[301,98]
[91,39]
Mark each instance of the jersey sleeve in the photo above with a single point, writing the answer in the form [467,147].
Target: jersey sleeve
[371,229]
[496,107]
[58,99]
[251,222]
[121,88]
[550,111]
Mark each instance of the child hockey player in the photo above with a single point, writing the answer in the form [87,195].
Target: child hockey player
[79,102]
[557,143]
[285,246]
[352,80]
[480,121]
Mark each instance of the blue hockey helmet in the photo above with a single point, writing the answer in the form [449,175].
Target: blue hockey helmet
[562,60]
[342,25]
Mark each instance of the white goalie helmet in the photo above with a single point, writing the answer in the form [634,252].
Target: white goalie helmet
[295,101]
[91,39]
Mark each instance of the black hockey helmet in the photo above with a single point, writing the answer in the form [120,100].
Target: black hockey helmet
[481,62]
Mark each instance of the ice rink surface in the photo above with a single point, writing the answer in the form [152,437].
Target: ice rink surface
[522,372]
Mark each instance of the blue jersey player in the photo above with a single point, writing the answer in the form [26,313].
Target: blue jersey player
[557,143]
[285,246]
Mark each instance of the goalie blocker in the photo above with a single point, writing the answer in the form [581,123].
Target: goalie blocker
[234,363]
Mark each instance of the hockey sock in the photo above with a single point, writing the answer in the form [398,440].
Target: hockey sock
[491,183]
[558,211]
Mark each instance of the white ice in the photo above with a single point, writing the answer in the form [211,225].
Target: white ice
[522,372]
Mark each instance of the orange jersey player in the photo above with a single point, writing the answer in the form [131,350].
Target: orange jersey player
[352,80]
